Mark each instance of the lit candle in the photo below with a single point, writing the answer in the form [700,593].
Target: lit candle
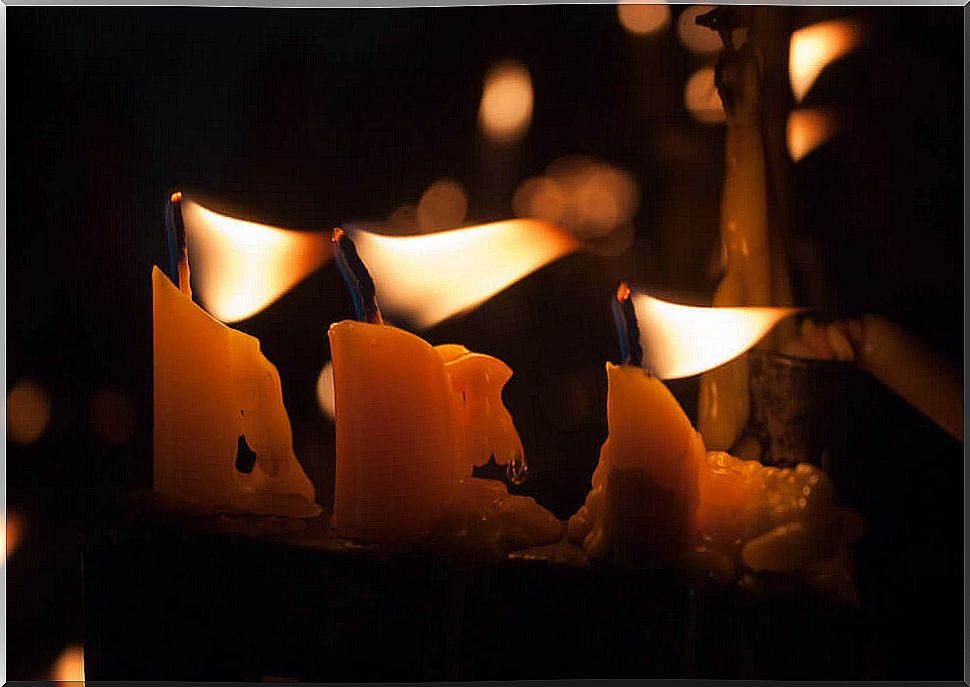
[411,421]
[644,489]
[222,437]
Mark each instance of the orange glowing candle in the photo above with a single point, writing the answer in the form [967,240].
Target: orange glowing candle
[222,437]
[645,486]
[411,420]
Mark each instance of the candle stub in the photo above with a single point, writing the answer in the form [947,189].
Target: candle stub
[222,436]
[412,420]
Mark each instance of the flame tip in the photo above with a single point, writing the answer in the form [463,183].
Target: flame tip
[623,292]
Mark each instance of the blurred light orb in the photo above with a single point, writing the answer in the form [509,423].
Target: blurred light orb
[404,218]
[69,665]
[702,99]
[112,417]
[443,205]
[28,411]
[325,393]
[815,47]
[12,534]
[507,100]
[643,20]
[589,198]
[808,129]
[539,198]
[699,40]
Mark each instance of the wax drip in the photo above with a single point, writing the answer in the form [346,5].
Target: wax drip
[627,330]
[178,248]
[356,277]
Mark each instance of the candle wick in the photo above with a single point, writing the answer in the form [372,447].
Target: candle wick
[627,329]
[178,248]
[356,277]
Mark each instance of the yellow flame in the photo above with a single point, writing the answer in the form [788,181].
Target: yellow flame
[240,267]
[506,108]
[815,47]
[684,340]
[808,129]
[69,666]
[431,277]
[642,20]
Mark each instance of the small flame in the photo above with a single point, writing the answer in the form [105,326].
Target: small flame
[240,267]
[431,277]
[815,47]
[683,340]
[808,129]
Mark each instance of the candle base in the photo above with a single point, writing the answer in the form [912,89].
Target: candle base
[170,596]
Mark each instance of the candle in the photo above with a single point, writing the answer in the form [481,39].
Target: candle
[755,269]
[644,489]
[222,437]
[772,519]
[412,420]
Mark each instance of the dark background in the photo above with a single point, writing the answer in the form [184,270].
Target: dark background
[309,118]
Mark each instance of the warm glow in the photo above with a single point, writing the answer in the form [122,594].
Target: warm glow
[442,206]
[239,267]
[683,340]
[506,108]
[112,417]
[325,393]
[701,97]
[815,47]
[69,666]
[700,40]
[591,199]
[808,129]
[642,20]
[12,534]
[431,277]
[28,412]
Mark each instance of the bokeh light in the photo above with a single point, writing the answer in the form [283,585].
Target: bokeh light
[507,101]
[591,199]
[699,40]
[325,392]
[808,129]
[815,47]
[702,99]
[442,206]
[643,20]
[28,411]
[112,416]
[69,665]
[13,532]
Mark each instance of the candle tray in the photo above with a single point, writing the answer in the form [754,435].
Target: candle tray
[181,597]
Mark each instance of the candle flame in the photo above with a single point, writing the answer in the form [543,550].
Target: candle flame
[682,340]
[507,101]
[815,47]
[808,129]
[431,277]
[240,267]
